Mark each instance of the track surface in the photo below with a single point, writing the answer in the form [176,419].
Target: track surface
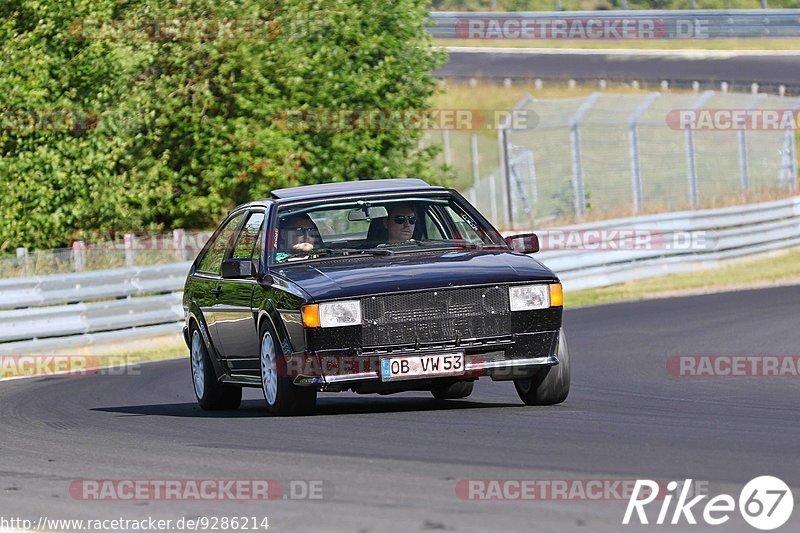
[391,463]
[738,70]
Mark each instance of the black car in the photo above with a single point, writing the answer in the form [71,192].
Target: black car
[375,286]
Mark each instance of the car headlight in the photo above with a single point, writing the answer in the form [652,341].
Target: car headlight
[540,296]
[332,314]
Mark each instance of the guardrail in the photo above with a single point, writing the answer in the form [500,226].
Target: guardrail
[123,304]
[656,24]
[670,243]
[48,312]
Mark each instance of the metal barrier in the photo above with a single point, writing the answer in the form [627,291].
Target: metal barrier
[668,244]
[33,314]
[49,312]
[654,24]
[95,285]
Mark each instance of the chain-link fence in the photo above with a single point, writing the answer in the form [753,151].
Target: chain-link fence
[615,155]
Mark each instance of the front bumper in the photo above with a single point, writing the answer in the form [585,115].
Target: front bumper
[475,367]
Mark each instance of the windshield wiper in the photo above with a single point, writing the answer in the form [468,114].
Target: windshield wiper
[352,251]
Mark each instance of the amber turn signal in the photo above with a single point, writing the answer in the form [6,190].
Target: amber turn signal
[556,295]
[310,315]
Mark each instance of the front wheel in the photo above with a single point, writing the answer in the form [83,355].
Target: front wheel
[210,393]
[282,396]
[549,385]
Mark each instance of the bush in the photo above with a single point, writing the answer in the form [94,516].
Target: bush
[173,133]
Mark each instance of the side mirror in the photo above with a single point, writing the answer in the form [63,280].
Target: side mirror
[239,268]
[527,243]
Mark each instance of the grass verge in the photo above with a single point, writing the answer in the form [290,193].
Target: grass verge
[81,360]
[773,269]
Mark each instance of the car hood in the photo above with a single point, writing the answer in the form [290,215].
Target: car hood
[364,275]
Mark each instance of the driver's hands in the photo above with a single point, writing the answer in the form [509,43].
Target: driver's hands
[303,248]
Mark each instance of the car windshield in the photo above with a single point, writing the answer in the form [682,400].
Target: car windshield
[378,226]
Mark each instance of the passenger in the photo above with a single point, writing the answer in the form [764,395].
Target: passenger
[400,223]
[298,236]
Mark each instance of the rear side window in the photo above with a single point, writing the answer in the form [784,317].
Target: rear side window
[219,245]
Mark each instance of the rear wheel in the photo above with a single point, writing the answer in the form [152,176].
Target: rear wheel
[550,385]
[282,396]
[453,391]
[210,393]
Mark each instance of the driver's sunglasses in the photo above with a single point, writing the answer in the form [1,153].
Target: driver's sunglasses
[308,232]
[402,219]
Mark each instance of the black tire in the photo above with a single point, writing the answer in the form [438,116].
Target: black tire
[210,393]
[287,398]
[453,391]
[549,385]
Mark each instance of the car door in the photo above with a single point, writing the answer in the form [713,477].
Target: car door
[236,322]
[207,280]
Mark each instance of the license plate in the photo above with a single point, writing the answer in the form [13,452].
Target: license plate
[416,366]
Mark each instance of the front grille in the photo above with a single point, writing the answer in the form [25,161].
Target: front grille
[430,316]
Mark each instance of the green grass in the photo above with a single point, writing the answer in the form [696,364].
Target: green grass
[775,269]
[672,44]
[100,355]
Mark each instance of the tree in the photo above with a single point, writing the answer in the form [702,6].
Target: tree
[181,125]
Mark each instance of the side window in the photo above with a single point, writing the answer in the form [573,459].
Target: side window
[436,230]
[215,253]
[465,231]
[248,237]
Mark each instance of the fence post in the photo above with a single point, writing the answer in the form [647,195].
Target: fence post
[744,173]
[691,157]
[633,135]
[506,164]
[476,168]
[179,244]
[22,258]
[448,156]
[793,149]
[578,190]
[503,158]
[493,199]
[79,255]
[532,173]
[130,249]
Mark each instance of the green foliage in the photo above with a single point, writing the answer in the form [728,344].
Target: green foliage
[181,130]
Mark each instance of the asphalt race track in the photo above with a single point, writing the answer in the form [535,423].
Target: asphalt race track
[392,463]
[676,67]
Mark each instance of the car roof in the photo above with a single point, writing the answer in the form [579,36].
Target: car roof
[346,188]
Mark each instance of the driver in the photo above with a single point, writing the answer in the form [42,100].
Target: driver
[297,237]
[400,223]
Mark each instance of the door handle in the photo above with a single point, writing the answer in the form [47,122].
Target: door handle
[217,292]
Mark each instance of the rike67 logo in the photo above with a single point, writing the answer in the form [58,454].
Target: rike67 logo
[765,503]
